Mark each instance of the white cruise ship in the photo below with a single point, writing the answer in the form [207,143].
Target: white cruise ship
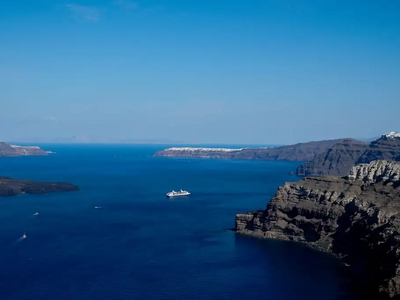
[176,194]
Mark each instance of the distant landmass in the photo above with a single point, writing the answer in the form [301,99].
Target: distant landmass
[356,217]
[296,152]
[12,187]
[7,150]
[328,157]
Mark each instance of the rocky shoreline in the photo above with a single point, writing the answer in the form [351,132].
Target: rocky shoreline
[13,187]
[356,218]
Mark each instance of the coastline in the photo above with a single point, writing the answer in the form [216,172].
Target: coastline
[353,218]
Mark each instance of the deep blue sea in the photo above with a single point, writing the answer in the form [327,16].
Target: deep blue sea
[142,245]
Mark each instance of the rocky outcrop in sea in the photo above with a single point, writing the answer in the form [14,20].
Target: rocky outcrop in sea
[356,217]
[7,150]
[13,187]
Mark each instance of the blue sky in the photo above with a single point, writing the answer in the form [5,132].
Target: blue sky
[199,71]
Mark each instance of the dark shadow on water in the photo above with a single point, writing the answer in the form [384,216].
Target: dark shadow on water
[298,266]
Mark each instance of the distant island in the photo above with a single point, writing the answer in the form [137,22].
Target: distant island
[356,217]
[13,187]
[328,157]
[7,150]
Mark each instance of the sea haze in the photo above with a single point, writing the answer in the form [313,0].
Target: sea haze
[141,245]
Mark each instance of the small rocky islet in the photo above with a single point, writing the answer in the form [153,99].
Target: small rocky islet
[13,187]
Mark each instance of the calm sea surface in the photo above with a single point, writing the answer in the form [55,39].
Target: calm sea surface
[141,245]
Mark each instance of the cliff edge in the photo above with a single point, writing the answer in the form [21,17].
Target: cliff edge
[356,217]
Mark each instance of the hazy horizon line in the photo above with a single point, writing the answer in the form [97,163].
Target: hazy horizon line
[174,143]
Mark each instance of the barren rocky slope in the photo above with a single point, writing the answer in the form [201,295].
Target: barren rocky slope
[386,148]
[356,217]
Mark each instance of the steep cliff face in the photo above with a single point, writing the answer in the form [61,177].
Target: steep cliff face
[356,217]
[297,152]
[385,148]
[376,171]
[339,159]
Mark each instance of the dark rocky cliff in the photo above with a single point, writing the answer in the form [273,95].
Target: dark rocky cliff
[337,160]
[356,217]
[12,187]
[387,147]
[340,158]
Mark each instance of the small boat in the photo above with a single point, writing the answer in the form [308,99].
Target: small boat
[176,194]
[24,236]
[36,214]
